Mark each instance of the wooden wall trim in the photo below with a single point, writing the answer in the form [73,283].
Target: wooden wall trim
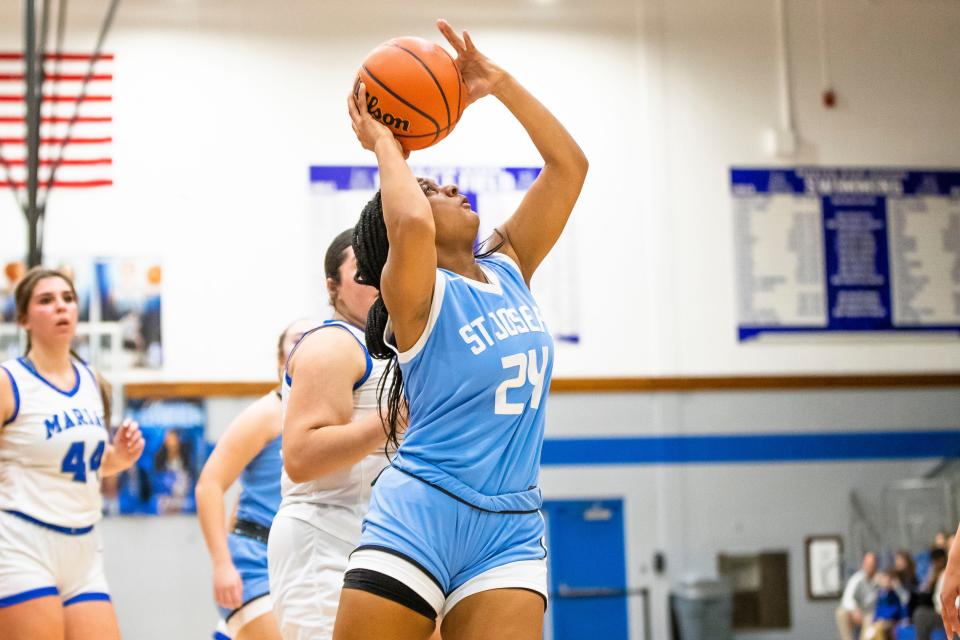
[158,390]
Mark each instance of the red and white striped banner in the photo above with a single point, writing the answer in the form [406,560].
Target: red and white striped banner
[87,156]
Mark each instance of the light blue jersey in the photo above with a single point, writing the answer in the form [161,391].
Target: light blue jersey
[477,382]
[260,495]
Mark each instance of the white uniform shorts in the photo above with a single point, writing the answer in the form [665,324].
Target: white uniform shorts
[37,561]
[306,567]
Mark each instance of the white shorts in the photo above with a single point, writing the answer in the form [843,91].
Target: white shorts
[36,561]
[306,567]
[530,575]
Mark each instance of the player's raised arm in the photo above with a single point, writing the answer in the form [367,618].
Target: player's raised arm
[408,277]
[535,227]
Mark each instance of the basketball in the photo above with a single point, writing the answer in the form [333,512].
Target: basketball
[414,87]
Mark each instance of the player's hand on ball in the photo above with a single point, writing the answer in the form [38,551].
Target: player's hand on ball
[368,130]
[128,443]
[480,74]
[227,586]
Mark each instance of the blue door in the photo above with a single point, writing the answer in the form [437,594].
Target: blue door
[588,574]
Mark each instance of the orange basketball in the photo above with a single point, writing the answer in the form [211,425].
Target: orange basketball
[414,87]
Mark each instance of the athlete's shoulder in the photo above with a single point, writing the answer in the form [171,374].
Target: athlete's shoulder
[328,349]
[267,405]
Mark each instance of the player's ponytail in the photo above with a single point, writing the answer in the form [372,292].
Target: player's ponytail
[370,247]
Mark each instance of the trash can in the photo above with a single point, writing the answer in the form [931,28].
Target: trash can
[704,609]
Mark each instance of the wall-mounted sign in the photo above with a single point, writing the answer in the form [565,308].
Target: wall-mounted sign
[847,250]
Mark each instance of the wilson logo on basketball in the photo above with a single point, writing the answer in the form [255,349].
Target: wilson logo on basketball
[386,118]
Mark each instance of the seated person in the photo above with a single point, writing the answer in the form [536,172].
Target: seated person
[923,614]
[859,599]
[889,610]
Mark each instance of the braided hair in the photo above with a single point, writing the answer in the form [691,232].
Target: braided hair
[371,247]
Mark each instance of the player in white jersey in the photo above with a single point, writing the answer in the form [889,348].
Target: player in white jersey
[333,448]
[453,527]
[54,448]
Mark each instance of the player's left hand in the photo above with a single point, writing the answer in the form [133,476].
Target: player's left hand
[479,73]
[128,443]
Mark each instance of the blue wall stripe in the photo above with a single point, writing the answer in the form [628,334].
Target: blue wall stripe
[713,449]
[23,596]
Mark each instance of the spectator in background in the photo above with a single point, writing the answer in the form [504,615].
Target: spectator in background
[173,474]
[859,599]
[14,272]
[923,614]
[906,575]
[940,540]
[889,610]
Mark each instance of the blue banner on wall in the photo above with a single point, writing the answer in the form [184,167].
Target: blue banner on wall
[340,191]
[847,250]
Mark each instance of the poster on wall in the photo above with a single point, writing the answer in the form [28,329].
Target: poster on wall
[340,192]
[824,560]
[119,301]
[835,250]
[163,479]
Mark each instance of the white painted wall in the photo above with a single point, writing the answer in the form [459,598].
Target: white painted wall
[694,512]
[221,106]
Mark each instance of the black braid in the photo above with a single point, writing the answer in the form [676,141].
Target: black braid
[371,247]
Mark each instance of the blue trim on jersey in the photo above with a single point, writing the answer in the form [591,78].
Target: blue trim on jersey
[345,327]
[220,636]
[92,596]
[70,531]
[366,354]
[16,397]
[76,373]
[24,596]
[293,350]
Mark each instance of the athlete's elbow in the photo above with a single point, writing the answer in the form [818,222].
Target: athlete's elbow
[295,468]
[202,490]
[298,466]
[582,163]
[577,163]
[570,167]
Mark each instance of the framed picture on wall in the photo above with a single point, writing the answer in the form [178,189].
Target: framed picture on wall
[824,556]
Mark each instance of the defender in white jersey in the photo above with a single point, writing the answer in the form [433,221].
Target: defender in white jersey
[54,448]
[453,526]
[333,448]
